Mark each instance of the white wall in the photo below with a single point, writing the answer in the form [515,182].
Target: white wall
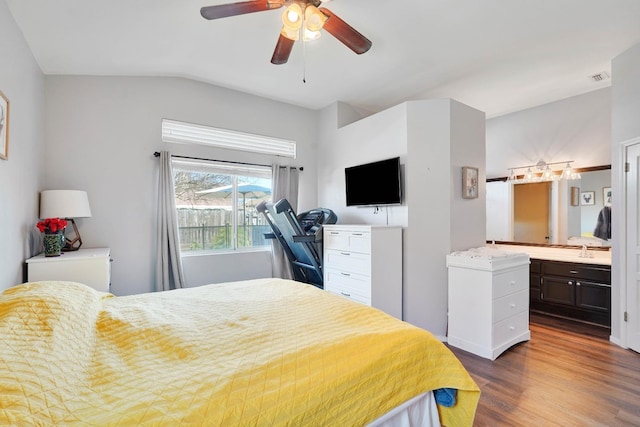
[101,135]
[625,126]
[434,139]
[576,128]
[21,175]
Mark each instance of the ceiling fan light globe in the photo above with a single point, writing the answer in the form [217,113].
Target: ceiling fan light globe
[311,35]
[291,17]
[290,34]
[314,19]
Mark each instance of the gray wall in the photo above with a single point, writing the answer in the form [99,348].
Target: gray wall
[22,174]
[625,126]
[576,128]
[101,135]
[434,139]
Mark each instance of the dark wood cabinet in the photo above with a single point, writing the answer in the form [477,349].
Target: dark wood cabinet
[574,290]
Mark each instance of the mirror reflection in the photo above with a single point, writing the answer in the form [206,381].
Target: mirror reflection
[558,212]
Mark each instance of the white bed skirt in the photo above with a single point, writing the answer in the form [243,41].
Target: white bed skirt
[421,411]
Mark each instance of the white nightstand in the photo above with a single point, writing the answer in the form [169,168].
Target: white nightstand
[89,266]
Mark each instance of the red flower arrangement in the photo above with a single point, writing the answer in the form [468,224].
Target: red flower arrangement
[51,225]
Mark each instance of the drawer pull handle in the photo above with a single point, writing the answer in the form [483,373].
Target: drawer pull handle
[346,274]
[573,272]
[335,233]
[357,234]
[512,328]
[570,283]
[345,294]
[345,253]
[577,283]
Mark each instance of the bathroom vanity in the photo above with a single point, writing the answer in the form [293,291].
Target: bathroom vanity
[569,282]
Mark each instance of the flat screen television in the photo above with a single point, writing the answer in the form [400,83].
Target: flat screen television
[374,184]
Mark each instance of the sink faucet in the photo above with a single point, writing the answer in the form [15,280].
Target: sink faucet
[583,253]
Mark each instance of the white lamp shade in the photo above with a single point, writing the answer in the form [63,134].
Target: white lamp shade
[64,204]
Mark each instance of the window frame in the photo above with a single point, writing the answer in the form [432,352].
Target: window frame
[235,171]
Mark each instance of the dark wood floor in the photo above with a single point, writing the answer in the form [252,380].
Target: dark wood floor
[569,374]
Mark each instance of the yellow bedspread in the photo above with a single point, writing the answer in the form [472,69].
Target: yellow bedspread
[260,352]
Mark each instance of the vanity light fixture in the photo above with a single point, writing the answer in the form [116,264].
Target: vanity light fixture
[546,172]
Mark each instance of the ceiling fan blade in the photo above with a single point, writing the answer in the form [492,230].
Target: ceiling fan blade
[282,50]
[348,35]
[233,9]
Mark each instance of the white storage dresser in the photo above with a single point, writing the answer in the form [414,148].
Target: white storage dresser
[364,263]
[89,266]
[488,300]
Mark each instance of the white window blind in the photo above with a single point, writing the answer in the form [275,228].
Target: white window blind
[188,133]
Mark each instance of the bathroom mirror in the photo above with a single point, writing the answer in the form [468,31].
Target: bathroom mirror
[558,212]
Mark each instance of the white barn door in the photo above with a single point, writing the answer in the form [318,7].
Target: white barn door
[632,201]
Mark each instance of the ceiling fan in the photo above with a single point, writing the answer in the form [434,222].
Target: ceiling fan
[301,18]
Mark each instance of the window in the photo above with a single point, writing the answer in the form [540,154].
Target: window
[216,202]
[188,133]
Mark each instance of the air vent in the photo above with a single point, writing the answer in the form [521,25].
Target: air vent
[600,76]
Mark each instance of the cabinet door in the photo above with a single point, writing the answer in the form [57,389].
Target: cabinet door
[534,280]
[558,290]
[534,287]
[593,296]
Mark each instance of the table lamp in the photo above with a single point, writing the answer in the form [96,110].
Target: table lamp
[68,204]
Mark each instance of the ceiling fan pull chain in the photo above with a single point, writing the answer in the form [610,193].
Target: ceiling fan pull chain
[304,55]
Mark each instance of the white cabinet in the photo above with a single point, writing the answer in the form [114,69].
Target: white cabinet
[488,300]
[89,266]
[364,263]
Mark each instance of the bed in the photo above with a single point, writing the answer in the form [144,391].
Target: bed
[258,352]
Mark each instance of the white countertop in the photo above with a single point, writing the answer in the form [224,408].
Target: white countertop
[560,254]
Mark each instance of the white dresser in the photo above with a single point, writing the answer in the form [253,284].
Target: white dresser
[89,266]
[364,263]
[488,300]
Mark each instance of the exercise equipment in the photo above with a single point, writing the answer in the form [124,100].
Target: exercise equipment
[300,237]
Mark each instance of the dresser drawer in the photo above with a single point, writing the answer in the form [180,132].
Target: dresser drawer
[351,282]
[351,241]
[350,262]
[510,328]
[510,305]
[510,282]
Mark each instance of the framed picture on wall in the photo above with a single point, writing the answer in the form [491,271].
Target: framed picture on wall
[606,196]
[4,126]
[588,198]
[469,182]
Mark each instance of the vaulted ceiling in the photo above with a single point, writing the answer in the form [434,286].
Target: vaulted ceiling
[498,56]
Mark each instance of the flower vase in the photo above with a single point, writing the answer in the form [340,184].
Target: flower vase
[52,243]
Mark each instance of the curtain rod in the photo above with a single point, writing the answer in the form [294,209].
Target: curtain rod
[157,154]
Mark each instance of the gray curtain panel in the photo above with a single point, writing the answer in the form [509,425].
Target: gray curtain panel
[285,186]
[169,265]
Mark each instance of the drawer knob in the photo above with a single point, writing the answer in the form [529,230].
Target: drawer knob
[512,328]
[512,305]
[513,282]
